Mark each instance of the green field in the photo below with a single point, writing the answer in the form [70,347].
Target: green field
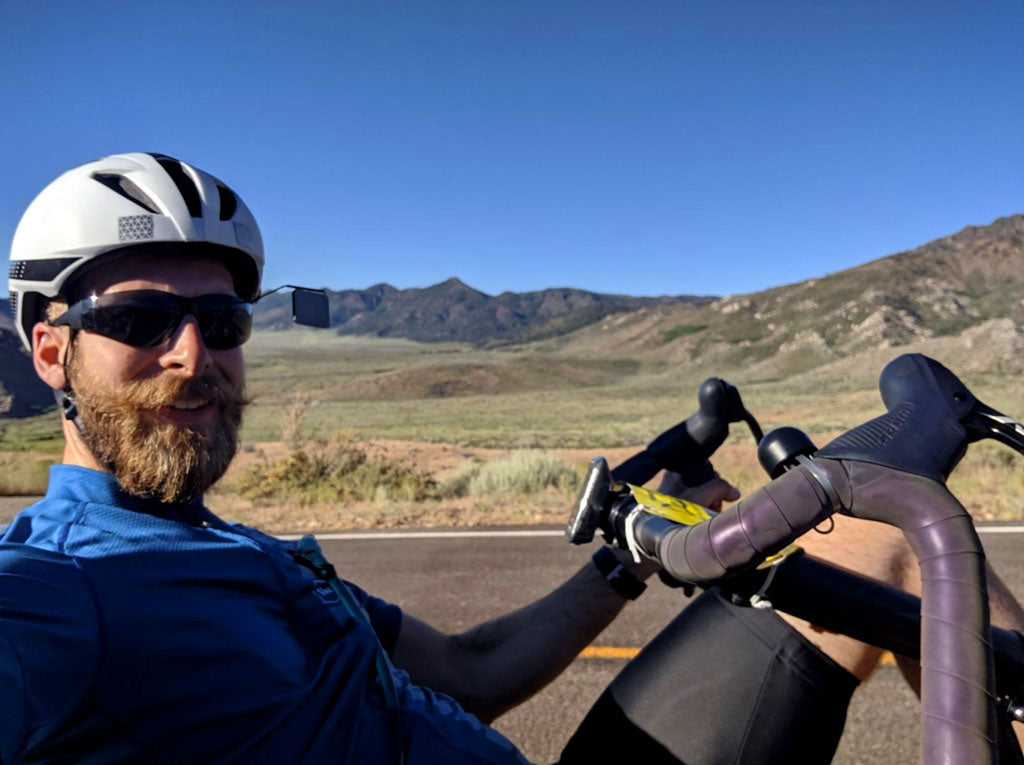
[525,398]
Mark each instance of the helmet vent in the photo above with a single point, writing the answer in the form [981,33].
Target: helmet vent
[45,270]
[14,303]
[186,187]
[124,186]
[228,202]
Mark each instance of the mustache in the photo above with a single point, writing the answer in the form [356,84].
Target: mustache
[210,386]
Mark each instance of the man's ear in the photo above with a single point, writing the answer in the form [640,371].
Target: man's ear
[49,346]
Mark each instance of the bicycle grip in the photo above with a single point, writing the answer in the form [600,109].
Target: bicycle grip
[745,534]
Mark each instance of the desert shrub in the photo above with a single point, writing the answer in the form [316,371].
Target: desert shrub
[292,416]
[336,471]
[457,484]
[522,472]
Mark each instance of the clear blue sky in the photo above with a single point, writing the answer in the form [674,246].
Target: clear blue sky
[650,147]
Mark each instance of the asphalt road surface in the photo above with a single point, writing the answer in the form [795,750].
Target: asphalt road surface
[455,582]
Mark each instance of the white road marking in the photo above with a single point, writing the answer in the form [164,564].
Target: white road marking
[498,533]
[433,534]
[1000,529]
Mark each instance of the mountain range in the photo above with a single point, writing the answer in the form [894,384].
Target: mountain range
[453,311]
[962,290]
[962,295]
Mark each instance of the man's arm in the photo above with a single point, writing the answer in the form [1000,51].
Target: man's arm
[501,663]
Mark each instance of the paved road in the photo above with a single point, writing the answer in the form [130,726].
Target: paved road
[457,582]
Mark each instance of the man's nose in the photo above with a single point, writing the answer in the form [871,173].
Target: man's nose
[186,353]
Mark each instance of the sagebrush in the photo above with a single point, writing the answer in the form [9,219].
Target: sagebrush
[336,471]
[522,472]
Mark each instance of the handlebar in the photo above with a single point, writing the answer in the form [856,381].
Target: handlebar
[687,447]
[683,448]
[890,469]
[745,534]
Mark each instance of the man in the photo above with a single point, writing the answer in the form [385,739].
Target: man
[136,626]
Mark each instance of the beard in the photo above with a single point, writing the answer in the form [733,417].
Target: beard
[163,461]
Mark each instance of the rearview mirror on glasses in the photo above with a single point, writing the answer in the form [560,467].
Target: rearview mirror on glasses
[310,308]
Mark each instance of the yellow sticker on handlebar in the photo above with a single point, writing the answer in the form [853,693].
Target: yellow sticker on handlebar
[780,556]
[673,508]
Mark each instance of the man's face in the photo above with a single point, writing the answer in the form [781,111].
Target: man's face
[164,420]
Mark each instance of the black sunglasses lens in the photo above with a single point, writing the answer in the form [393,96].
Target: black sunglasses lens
[224,323]
[147,318]
[142,327]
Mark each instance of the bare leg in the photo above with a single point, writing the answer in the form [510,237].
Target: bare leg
[880,552]
[869,549]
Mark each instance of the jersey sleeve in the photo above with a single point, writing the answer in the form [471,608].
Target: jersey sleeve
[48,645]
[385,618]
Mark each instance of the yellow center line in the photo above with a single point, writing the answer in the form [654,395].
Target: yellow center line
[628,652]
[608,652]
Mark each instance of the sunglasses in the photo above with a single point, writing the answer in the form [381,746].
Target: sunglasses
[146,318]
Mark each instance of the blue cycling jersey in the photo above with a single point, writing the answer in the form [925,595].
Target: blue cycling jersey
[131,631]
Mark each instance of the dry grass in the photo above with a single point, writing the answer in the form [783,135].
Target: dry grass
[25,473]
[545,507]
[292,416]
[344,484]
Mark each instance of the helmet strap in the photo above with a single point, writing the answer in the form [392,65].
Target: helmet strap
[66,401]
[66,396]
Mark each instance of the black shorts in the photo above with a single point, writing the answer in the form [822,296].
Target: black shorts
[722,684]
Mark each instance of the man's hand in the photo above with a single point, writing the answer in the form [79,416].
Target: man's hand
[711,494]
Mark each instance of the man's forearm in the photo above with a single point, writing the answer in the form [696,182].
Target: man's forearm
[500,663]
[503,662]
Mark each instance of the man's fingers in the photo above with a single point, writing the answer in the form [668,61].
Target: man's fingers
[713,493]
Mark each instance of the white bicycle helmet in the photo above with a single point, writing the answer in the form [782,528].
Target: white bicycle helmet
[122,204]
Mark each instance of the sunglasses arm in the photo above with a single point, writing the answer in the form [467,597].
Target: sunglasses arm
[73,316]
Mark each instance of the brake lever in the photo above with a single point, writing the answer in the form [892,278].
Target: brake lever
[986,422]
[978,418]
[931,419]
[687,447]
